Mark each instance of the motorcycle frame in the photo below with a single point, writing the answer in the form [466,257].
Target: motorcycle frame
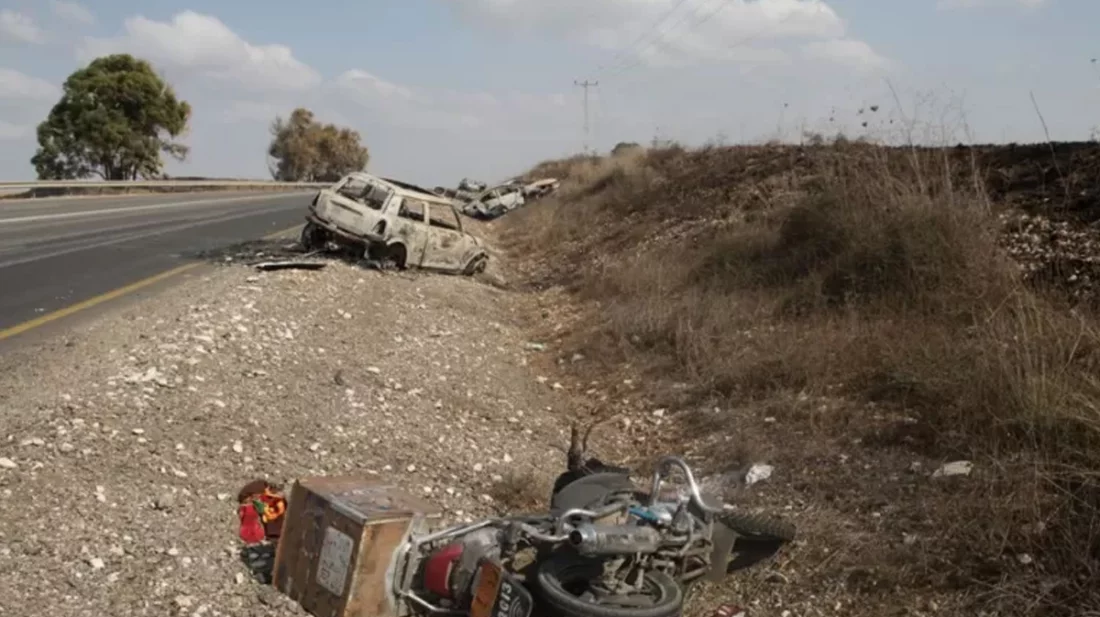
[409,556]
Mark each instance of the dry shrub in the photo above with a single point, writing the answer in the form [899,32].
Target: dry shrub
[854,269]
[520,491]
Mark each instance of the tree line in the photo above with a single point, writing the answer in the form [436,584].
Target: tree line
[117,117]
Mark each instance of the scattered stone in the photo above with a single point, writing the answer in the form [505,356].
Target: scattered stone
[955,468]
[165,502]
[96,563]
[238,447]
[758,473]
[7,463]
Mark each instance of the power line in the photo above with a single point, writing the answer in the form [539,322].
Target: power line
[722,4]
[737,43]
[624,52]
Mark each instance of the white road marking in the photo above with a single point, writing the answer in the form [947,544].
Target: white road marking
[126,238]
[176,204]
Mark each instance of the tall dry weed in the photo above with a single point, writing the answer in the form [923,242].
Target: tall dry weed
[850,269]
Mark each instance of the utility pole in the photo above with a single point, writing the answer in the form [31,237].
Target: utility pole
[586,85]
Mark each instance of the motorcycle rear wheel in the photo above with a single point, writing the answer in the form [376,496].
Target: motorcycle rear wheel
[562,581]
[758,527]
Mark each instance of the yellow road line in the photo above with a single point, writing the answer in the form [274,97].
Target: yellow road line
[90,302]
[110,295]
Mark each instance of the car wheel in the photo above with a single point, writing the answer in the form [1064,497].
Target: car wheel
[476,266]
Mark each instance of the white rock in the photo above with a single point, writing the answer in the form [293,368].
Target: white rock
[659,413]
[757,473]
[96,563]
[508,458]
[173,552]
[138,431]
[478,467]
[238,447]
[313,447]
[33,441]
[410,468]
[239,578]
[374,369]
[7,463]
[954,468]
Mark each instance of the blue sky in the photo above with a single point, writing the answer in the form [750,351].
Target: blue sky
[442,89]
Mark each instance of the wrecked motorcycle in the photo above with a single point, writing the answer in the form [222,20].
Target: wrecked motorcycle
[606,548]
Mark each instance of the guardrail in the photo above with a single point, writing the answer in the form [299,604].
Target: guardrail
[77,187]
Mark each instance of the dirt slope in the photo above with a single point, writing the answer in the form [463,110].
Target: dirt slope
[123,446]
[858,317]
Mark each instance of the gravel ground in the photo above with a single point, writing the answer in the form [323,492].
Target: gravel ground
[122,447]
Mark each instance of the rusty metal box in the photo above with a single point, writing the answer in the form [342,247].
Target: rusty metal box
[340,537]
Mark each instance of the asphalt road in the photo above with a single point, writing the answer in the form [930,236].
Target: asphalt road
[58,252]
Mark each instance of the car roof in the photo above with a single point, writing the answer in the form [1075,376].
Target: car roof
[404,189]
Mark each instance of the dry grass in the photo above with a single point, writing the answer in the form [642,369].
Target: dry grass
[869,276]
[520,491]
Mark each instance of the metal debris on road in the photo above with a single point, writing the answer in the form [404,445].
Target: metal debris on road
[290,265]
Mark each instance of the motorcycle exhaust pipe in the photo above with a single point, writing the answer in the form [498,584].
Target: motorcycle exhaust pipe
[592,540]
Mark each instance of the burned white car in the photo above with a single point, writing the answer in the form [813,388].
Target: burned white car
[495,202]
[392,223]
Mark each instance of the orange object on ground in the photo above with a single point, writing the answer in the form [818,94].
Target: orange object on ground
[260,510]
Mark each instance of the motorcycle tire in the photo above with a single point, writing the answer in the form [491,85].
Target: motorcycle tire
[561,580]
[758,528]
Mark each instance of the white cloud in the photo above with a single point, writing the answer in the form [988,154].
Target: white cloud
[72,11]
[969,4]
[852,53]
[19,28]
[18,86]
[366,86]
[200,45]
[657,32]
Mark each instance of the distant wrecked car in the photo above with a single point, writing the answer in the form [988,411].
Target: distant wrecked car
[495,202]
[541,188]
[393,223]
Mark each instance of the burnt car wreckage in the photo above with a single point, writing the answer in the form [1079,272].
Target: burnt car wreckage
[501,199]
[392,223]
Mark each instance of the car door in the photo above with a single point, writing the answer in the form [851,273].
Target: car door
[446,244]
[410,228]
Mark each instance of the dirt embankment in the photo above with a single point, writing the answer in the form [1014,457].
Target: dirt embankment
[124,445]
[858,317]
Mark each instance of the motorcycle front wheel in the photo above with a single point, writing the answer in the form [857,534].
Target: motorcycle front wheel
[564,581]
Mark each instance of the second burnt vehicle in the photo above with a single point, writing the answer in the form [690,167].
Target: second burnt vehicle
[393,223]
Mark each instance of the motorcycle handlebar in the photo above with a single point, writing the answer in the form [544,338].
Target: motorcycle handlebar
[693,486]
